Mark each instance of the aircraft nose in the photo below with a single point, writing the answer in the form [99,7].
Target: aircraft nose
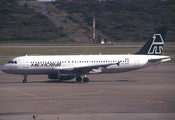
[4,68]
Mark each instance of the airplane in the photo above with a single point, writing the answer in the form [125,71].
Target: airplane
[67,67]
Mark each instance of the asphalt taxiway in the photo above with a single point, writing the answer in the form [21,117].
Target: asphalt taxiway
[143,94]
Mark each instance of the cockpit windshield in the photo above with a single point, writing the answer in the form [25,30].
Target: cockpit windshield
[13,62]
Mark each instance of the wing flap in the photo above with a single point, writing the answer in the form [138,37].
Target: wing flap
[93,68]
[87,69]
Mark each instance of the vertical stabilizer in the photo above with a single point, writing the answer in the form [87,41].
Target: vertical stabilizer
[154,45]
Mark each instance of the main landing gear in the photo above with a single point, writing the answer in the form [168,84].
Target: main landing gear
[25,79]
[78,79]
[85,79]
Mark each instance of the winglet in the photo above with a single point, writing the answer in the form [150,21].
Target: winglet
[154,45]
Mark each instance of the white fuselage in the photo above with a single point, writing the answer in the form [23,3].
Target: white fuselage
[32,65]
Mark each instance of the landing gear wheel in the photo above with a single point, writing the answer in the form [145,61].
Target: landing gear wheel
[24,81]
[60,81]
[85,79]
[79,79]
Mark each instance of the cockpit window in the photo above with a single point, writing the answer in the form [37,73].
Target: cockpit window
[13,62]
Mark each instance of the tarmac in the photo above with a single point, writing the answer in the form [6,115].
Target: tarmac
[145,94]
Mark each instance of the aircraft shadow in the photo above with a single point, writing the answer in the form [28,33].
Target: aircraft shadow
[53,81]
[56,81]
[116,81]
[14,113]
[70,82]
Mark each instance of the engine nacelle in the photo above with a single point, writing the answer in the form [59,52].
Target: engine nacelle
[62,75]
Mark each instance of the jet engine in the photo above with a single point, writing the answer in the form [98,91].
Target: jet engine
[62,75]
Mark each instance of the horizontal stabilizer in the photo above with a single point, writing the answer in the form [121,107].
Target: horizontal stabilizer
[159,60]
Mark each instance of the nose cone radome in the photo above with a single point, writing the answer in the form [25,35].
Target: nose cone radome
[4,68]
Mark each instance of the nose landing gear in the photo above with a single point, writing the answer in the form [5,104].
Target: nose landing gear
[25,79]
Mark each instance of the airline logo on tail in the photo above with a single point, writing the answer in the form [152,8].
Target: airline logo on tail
[157,45]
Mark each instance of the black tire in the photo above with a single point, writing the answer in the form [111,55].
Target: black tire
[24,81]
[79,79]
[85,79]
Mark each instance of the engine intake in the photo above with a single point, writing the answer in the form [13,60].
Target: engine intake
[62,75]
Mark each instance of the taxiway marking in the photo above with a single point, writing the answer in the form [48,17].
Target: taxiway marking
[141,99]
[49,97]
[28,94]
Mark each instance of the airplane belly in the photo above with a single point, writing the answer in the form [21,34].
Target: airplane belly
[31,71]
[41,71]
[117,70]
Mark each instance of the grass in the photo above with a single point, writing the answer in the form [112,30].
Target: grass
[2,62]
[65,51]
[169,51]
[29,43]
[172,60]
[76,50]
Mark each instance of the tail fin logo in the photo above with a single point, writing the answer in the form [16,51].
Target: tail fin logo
[157,45]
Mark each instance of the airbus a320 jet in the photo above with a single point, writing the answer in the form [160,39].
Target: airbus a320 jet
[67,67]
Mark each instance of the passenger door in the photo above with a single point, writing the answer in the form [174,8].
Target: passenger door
[136,61]
[25,62]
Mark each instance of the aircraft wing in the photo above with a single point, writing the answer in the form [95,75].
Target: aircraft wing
[87,69]
[92,68]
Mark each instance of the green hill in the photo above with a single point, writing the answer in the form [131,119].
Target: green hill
[118,20]
[22,23]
